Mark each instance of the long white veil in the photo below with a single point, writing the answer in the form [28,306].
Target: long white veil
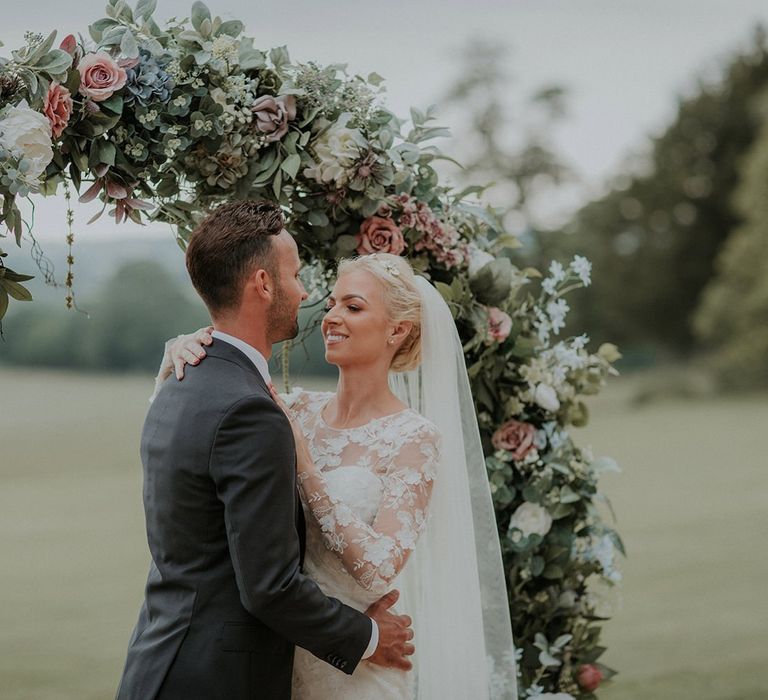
[454,583]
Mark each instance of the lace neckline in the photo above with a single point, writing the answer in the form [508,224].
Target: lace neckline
[325,424]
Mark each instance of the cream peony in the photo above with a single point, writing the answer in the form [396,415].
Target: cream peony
[531,519]
[335,152]
[27,134]
[546,397]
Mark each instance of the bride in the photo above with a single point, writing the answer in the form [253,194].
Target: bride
[392,478]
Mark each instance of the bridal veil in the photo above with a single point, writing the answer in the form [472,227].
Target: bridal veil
[454,583]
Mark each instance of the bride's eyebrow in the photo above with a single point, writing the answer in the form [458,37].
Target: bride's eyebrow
[346,297]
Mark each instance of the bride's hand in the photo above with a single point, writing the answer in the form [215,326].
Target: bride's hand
[188,349]
[304,461]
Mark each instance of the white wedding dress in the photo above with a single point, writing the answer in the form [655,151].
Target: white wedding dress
[364,517]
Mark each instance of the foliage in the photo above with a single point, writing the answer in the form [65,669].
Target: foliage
[125,327]
[193,115]
[732,320]
[654,237]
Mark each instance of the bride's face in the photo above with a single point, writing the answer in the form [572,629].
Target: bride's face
[356,327]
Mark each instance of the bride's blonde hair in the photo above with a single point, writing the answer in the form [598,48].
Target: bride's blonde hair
[401,298]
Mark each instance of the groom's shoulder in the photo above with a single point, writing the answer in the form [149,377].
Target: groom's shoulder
[219,382]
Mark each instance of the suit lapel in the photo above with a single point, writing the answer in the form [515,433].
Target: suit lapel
[225,351]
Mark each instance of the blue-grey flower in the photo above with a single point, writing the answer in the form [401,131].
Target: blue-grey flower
[148,82]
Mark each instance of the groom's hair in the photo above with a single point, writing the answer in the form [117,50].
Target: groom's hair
[231,242]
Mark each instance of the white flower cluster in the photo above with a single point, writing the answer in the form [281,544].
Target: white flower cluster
[236,95]
[547,374]
[226,48]
[336,151]
[600,549]
[551,319]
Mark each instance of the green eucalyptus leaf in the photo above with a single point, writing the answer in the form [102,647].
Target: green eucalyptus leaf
[318,218]
[346,245]
[14,289]
[145,8]
[493,282]
[113,36]
[232,27]
[112,104]
[55,61]
[129,47]
[290,166]
[200,12]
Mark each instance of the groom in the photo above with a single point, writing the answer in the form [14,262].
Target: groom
[225,599]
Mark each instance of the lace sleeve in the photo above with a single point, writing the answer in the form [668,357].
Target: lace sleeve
[375,554]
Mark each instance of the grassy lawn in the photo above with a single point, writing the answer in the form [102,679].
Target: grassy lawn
[691,622]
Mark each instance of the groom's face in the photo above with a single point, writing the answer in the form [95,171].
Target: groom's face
[283,314]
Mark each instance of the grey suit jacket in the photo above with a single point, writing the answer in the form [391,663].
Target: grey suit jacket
[225,600]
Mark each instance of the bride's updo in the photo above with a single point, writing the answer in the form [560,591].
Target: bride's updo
[401,297]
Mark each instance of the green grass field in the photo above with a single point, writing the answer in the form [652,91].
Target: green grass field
[691,622]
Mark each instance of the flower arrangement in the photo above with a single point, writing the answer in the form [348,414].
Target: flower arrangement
[165,123]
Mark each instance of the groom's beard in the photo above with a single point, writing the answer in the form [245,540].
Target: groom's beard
[282,319]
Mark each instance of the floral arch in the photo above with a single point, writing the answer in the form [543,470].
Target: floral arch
[165,123]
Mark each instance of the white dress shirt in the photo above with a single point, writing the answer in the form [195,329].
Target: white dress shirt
[261,364]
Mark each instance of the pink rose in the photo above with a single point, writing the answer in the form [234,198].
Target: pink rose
[272,115]
[100,76]
[499,324]
[379,235]
[516,437]
[589,677]
[58,108]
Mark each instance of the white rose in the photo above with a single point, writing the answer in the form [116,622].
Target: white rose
[546,397]
[478,259]
[531,519]
[27,134]
[335,153]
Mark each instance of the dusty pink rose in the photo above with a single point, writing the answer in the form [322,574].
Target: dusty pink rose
[516,437]
[272,115]
[58,108]
[100,76]
[380,235]
[589,677]
[499,324]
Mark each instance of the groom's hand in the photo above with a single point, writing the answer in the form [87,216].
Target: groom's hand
[395,634]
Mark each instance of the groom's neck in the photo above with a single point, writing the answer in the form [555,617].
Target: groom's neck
[248,330]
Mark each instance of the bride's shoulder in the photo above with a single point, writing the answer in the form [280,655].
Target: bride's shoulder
[302,400]
[419,427]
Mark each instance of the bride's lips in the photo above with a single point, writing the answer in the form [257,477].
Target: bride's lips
[334,338]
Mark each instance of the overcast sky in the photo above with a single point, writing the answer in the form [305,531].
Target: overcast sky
[625,62]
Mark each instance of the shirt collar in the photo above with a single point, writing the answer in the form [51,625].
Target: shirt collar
[250,352]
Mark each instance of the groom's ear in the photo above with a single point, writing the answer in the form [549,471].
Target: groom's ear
[261,284]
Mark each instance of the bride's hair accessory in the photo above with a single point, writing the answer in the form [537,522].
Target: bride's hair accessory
[388,266]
